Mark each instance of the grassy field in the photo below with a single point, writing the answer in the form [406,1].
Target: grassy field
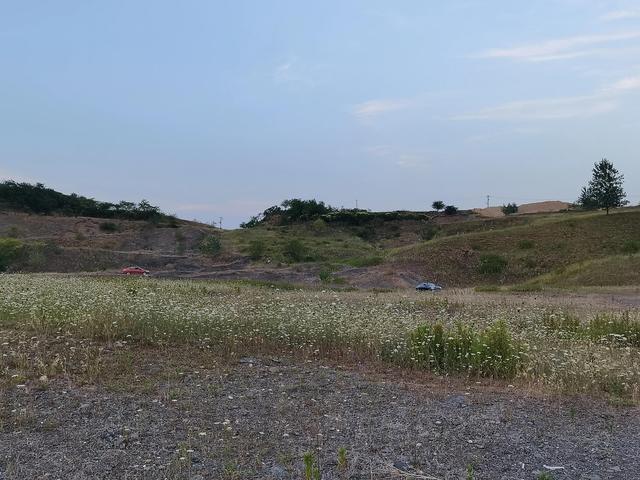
[546,346]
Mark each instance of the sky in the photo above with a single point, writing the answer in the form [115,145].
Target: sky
[213,108]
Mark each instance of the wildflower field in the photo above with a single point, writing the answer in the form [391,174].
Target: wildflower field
[546,346]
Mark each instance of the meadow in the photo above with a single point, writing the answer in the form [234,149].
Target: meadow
[550,347]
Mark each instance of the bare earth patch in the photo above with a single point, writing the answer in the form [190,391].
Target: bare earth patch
[180,414]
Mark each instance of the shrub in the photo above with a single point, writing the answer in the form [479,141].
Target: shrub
[325,276]
[294,250]
[364,261]
[526,244]
[210,246]
[491,352]
[450,210]
[10,251]
[492,264]
[108,227]
[631,246]
[510,208]
[428,232]
[257,248]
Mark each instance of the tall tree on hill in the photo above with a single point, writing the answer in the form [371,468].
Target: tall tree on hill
[604,189]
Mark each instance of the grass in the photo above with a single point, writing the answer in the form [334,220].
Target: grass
[616,270]
[539,246]
[595,353]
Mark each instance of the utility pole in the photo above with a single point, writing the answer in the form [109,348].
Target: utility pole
[488,197]
[356,203]
[220,223]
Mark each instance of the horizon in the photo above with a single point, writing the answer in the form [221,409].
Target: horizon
[216,110]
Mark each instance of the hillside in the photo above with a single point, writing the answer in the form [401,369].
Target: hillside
[345,248]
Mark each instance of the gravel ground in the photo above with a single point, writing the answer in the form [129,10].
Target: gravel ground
[256,418]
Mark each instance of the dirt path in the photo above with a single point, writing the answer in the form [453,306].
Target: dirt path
[254,419]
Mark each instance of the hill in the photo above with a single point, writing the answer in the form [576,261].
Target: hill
[337,248]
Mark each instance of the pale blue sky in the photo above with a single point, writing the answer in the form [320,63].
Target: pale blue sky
[210,108]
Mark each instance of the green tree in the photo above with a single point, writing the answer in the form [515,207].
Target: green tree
[450,210]
[509,208]
[604,189]
[437,205]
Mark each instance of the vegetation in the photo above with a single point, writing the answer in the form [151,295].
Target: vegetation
[438,205]
[46,201]
[257,249]
[10,250]
[491,352]
[450,210]
[492,264]
[557,349]
[604,189]
[510,209]
[109,227]
[211,246]
[295,250]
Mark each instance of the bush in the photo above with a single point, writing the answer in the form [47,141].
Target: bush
[428,232]
[631,246]
[257,248]
[364,262]
[211,246]
[525,244]
[10,250]
[492,264]
[108,227]
[491,352]
[450,210]
[294,250]
[510,208]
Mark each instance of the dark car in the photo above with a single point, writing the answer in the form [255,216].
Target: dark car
[135,271]
[432,287]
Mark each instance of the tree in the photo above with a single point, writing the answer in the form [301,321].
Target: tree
[604,189]
[450,210]
[438,205]
[509,208]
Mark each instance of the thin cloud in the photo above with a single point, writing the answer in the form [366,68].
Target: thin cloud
[621,15]
[400,158]
[374,108]
[559,49]
[602,101]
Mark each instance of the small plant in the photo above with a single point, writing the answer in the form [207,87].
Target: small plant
[342,459]
[210,246]
[631,247]
[108,227]
[545,476]
[364,261]
[492,264]
[469,472]
[294,250]
[311,468]
[429,232]
[510,209]
[526,244]
[325,276]
[257,249]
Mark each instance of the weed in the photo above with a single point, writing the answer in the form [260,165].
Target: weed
[109,227]
[631,246]
[342,459]
[210,246]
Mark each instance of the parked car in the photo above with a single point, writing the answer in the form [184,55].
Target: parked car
[432,287]
[135,271]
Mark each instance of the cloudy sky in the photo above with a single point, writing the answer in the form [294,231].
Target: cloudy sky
[217,108]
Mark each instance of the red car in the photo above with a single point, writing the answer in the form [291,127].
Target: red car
[135,271]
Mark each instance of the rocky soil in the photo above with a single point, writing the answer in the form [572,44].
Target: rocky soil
[197,417]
